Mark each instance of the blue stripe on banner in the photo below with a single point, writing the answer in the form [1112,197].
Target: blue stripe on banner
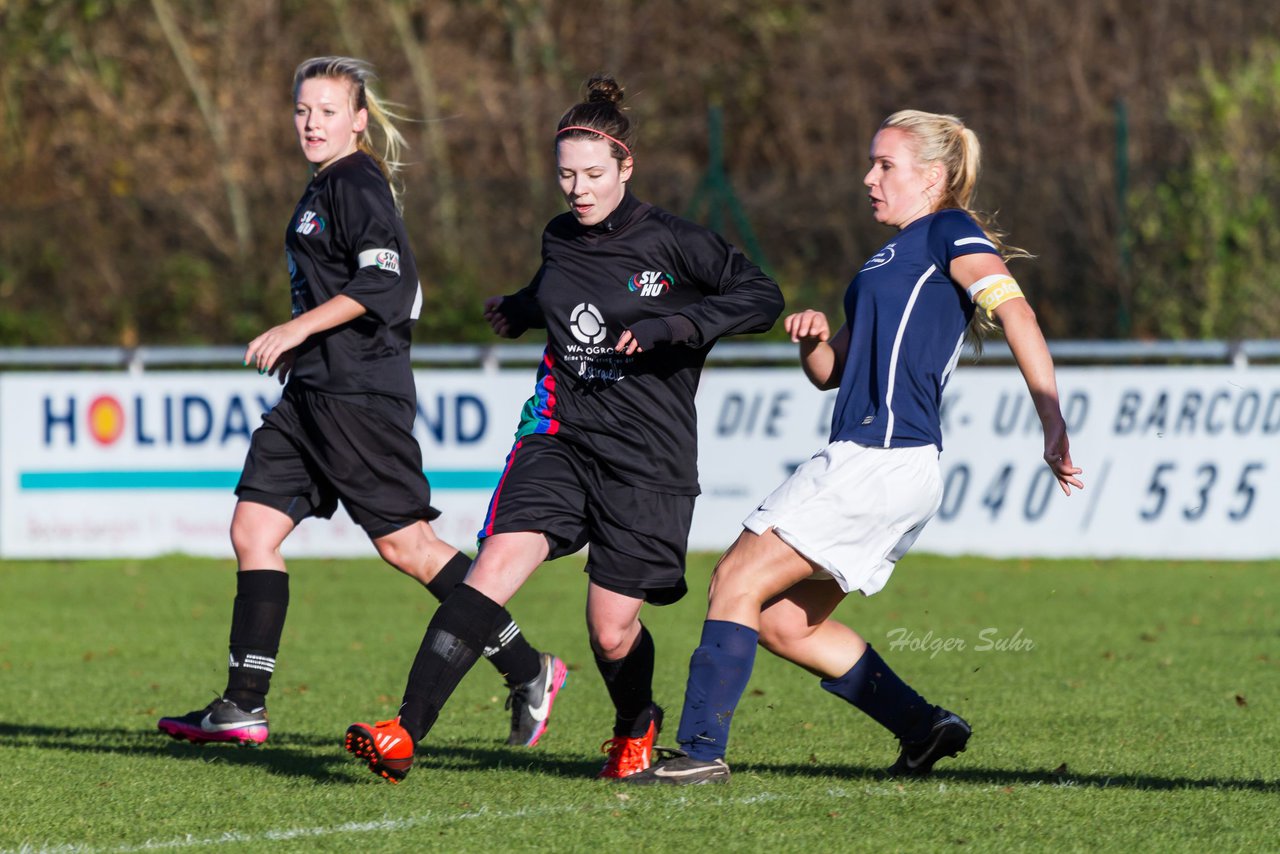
[166,479]
[463,479]
[171,479]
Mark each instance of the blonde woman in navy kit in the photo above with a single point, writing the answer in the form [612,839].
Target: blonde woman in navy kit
[845,517]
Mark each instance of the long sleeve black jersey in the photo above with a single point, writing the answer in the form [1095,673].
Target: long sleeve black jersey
[636,413]
[346,237]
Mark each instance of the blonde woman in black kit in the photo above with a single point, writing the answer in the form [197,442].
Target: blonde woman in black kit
[342,431]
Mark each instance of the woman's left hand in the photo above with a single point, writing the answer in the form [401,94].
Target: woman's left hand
[1057,453]
[643,335]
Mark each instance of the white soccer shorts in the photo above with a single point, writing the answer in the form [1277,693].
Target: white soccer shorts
[854,510]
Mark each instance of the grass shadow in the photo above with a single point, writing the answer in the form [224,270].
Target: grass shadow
[288,754]
[323,760]
[1016,777]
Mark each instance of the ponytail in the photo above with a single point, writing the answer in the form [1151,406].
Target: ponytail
[944,139]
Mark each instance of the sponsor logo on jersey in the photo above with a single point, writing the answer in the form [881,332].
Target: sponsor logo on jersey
[388,260]
[383,259]
[310,223]
[884,256]
[587,324]
[650,283]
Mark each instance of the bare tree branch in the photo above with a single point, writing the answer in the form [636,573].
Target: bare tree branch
[213,120]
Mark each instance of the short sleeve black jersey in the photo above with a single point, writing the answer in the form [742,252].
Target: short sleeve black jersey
[346,237]
[635,413]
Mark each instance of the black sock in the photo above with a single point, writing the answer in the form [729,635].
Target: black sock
[506,648]
[510,653]
[257,620]
[873,687]
[450,576]
[630,684]
[452,644]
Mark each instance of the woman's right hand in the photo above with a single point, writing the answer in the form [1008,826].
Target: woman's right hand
[807,325]
[822,354]
[498,321]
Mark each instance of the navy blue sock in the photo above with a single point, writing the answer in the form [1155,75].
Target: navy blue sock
[875,689]
[719,670]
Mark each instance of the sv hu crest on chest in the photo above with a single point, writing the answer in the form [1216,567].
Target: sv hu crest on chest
[650,283]
[310,223]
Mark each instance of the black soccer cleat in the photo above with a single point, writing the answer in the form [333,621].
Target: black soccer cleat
[530,703]
[222,720]
[681,769]
[947,737]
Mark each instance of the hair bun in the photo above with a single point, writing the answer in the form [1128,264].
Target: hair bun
[603,90]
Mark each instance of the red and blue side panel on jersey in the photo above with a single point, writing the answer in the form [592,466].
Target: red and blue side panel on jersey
[538,415]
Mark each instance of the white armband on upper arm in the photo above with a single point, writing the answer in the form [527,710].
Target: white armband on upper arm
[995,290]
[383,259]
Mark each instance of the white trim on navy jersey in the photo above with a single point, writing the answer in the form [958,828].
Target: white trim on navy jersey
[953,361]
[897,350]
[906,318]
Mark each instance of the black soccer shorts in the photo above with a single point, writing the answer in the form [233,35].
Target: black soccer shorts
[313,450]
[636,539]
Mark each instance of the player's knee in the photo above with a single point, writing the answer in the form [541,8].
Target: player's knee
[409,550]
[778,636]
[249,541]
[731,581]
[612,642]
[393,552]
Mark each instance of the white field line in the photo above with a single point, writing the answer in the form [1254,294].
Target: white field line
[396,825]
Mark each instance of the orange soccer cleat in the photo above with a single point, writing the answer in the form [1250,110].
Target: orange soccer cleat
[385,745]
[628,755]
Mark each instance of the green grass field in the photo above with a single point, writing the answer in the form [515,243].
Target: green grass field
[1116,706]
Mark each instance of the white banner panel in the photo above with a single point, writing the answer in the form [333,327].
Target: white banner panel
[1179,462]
[109,464]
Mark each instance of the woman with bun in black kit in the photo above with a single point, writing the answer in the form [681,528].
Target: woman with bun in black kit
[605,456]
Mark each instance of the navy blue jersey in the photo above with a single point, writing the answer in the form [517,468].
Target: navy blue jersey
[906,320]
[346,237]
[634,414]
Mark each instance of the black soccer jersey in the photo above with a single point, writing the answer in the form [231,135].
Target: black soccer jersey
[346,237]
[636,413]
